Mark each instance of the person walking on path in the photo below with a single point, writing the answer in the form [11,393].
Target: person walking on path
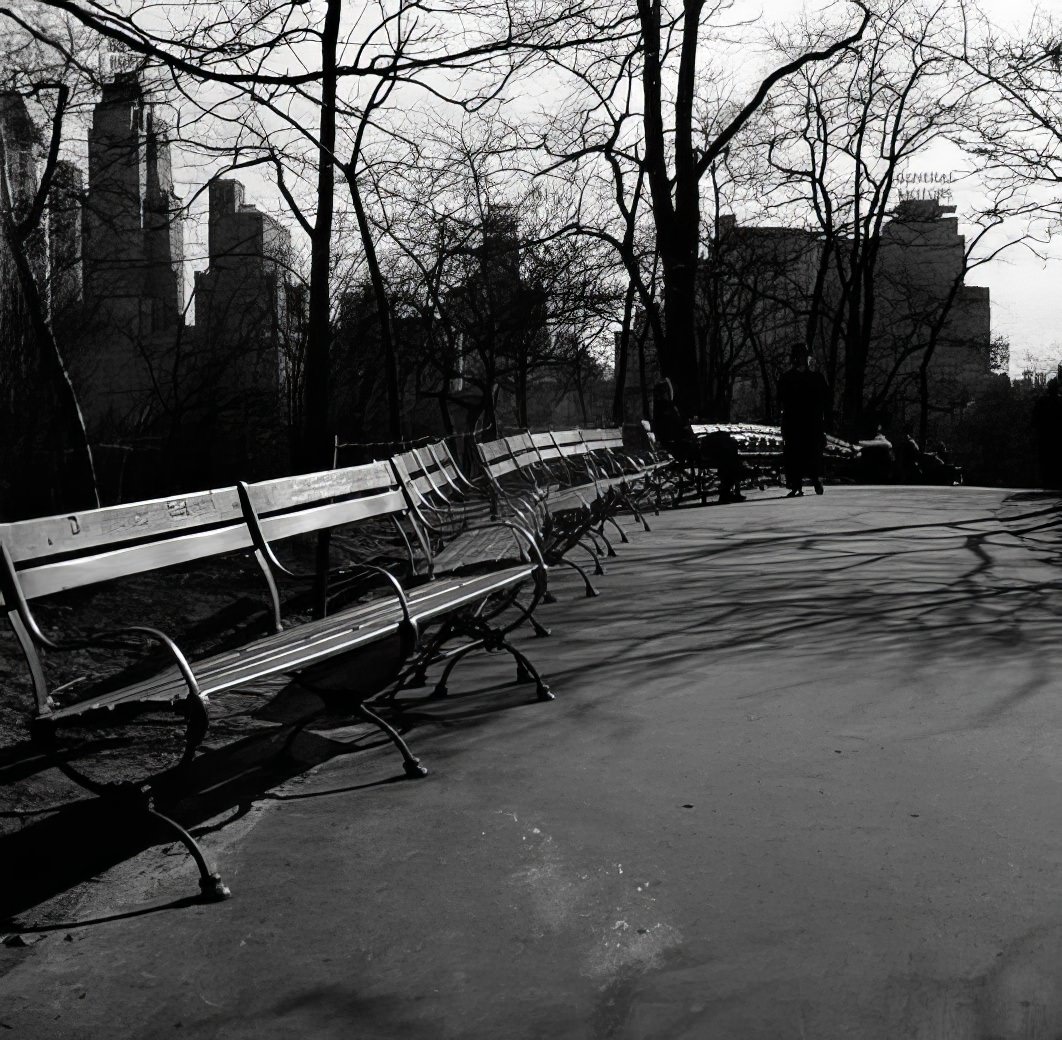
[1047,429]
[804,398]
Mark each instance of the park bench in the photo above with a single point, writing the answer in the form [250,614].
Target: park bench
[43,557]
[759,449]
[585,467]
[631,477]
[445,489]
[636,472]
[533,474]
[459,541]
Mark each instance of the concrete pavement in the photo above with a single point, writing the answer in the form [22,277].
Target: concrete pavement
[800,780]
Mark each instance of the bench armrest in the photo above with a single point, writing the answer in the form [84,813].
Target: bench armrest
[110,639]
[522,534]
[400,593]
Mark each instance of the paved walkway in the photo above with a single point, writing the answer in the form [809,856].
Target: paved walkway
[801,780]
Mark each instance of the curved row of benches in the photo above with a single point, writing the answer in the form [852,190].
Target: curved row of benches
[437,566]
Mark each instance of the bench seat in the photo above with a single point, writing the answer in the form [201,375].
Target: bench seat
[303,646]
[474,547]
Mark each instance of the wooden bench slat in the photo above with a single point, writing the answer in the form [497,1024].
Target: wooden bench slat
[290,492]
[50,578]
[112,525]
[477,547]
[333,514]
[308,644]
[504,467]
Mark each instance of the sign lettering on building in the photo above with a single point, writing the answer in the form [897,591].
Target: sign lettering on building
[926,184]
[113,63]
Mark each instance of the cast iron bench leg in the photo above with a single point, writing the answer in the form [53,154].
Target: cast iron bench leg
[624,540]
[441,689]
[629,502]
[598,569]
[590,590]
[526,672]
[416,674]
[609,548]
[211,887]
[410,761]
[540,630]
[140,797]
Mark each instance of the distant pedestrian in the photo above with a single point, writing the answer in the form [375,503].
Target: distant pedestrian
[804,399]
[1047,428]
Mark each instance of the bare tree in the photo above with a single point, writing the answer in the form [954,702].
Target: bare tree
[849,126]
[291,74]
[38,72]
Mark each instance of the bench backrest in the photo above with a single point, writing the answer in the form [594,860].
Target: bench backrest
[414,472]
[419,477]
[568,456]
[570,443]
[496,458]
[54,553]
[603,440]
[452,477]
[310,502]
[522,450]
[541,447]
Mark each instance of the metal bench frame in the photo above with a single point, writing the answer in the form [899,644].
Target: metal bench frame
[462,542]
[521,478]
[51,554]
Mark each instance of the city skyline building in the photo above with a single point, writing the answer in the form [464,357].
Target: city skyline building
[764,288]
[132,236]
[211,392]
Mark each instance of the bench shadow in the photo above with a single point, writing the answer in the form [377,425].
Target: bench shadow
[60,848]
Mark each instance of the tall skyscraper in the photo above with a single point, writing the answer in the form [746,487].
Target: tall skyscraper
[241,300]
[132,238]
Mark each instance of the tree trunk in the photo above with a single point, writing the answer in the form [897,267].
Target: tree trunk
[679,359]
[86,488]
[444,414]
[521,387]
[855,363]
[72,419]
[646,410]
[383,307]
[923,402]
[318,442]
[622,353]
[317,434]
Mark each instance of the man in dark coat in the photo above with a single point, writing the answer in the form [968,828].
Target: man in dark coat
[804,399]
[1047,428]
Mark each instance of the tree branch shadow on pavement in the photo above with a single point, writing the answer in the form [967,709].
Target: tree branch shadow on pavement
[936,592]
[828,594]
